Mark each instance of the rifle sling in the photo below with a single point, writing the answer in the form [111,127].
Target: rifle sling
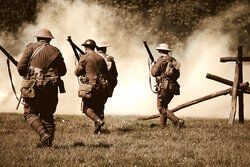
[150,82]
[11,81]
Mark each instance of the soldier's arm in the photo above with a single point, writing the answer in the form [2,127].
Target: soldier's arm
[114,73]
[61,67]
[23,63]
[176,72]
[80,67]
[156,68]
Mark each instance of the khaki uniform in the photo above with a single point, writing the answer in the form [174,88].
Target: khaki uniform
[166,71]
[38,111]
[112,71]
[92,67]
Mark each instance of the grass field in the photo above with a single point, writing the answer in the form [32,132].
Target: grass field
[126,141]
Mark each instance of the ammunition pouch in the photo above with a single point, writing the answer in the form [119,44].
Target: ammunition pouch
[47,81]
[102,83]
[174,87]
[85,91]
[168,86]
[27,88]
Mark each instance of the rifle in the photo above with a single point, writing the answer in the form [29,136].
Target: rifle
[149,52]
[149,64]
[8,56]
[75,48]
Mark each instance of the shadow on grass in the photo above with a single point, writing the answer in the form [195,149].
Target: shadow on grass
[81,144]
[124,130]
[100,145]
[105,131]
[153,125]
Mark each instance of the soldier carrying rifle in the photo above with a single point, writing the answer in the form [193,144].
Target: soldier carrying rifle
[166,70]
[41,67]
[92,70]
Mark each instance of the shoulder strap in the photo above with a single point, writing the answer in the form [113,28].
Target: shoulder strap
[36,52]
[52,58]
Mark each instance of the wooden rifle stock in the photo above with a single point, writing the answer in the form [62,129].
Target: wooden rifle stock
[8,56]
[75,48]
[149,52]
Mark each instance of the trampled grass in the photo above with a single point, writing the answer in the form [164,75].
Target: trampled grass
[126,141]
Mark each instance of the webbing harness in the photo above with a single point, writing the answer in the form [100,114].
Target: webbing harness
[10,75]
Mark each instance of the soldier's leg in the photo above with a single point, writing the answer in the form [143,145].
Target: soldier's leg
[49,108]
[175,120]
[32,118]
[100,112]
[163,117]
[89,112]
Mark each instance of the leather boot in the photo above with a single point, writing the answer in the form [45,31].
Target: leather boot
[98,122]
[180,124]
[163,119]
[51,130]
[98,126]
[45,140]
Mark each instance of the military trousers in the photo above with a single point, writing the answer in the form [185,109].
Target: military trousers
[38,111]
[162,104]
[95,105]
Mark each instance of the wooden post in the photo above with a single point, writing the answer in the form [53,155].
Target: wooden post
[241,96]
[234,94]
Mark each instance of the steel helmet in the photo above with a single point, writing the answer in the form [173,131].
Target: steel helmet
[44,33]
[89,42]
[163,46]
[103,44]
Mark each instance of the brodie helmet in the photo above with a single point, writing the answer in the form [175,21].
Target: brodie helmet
[44,33]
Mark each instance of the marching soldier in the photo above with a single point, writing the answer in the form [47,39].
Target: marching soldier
[112,71]
[166,70]
[41,67]
[93,71]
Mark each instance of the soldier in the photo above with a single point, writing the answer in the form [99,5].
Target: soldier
[93,71]
[112,71]
[166,70]
[42,64]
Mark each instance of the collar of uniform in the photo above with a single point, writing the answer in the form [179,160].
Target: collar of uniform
[101,52]
[42,42]
[90,51]
[166,56]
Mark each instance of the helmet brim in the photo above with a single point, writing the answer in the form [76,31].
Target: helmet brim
[164,49]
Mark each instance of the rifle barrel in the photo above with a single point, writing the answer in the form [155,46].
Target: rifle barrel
[9,56]
[75,48]
[149,52]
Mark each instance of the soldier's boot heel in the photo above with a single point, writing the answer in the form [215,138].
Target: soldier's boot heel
[45,140]
[180,124]
[98,126]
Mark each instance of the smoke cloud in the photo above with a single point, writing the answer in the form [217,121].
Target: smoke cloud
[199,55]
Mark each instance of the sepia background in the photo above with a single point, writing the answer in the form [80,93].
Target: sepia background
[199,33]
